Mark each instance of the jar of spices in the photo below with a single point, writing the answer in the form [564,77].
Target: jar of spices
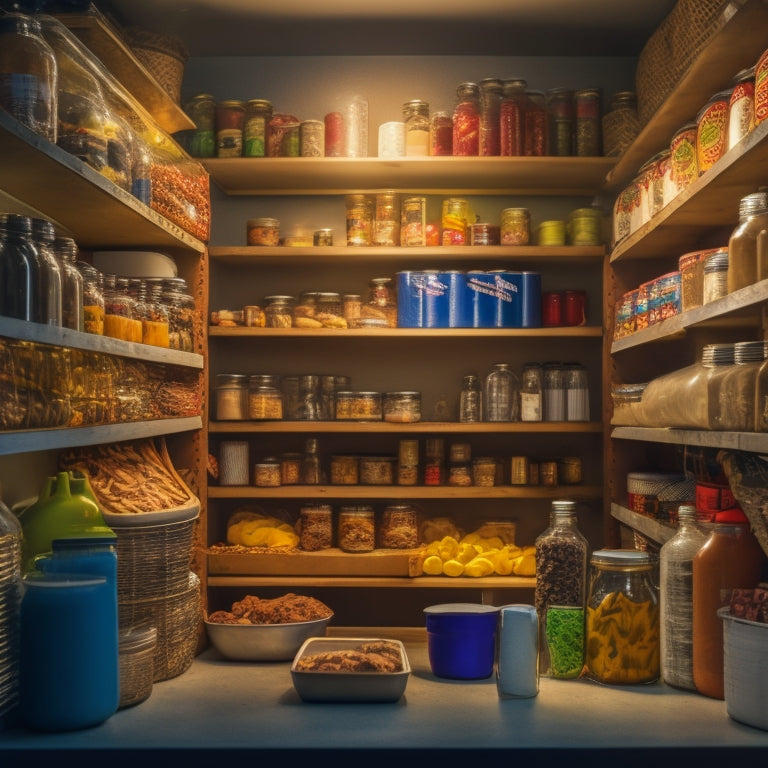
[466,121]
[358,406]
[622,618]
[359,219]
[536,139]
[515,226]
[263,231]
[231,390]
[440,135]
[230,115]
[416,119]
[402,407]
[399,527]
[712,131]
[588,122]
[290,469]
[561,567]
[356,528]
[119,320]
[512,118]
[316,527]
[716,275]
[561,112]
[267,473]
[278,312]
[258,113]
[181,313]
[345,470]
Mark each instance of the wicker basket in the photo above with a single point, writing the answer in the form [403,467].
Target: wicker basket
[672,48]
[163,55]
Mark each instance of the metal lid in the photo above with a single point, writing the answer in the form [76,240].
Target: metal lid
[621,557]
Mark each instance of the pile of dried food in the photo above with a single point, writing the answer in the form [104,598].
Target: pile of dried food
[286,609]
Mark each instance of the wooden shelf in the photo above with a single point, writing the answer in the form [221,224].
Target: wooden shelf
[736,45]
[68,437]
[100,38]
[78,199]
[709,202]
[406,492]
[380,582]
[571,176]
[653,529]
[742,441]
[419,427]
[580,331]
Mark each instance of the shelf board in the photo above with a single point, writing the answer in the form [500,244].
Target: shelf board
[709,202]
[756,442]
[65,337]
[95,32]
[653,529]
[579,331]
[396,582]
[77,198]
[570,176]
[419,427]
[736,45]
[740,309]
[344,256]
[405,492]
[68,437]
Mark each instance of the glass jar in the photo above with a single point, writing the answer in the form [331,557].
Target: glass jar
[561,114]
[512,118]
[265,402]
[515,226]
[731,558]
[501,394]
[118,310]
[310,407]
[440,135]
[466,121]
[576,392]
[471,400]
[278,312]
[311,470]
[536,137]
[181,314]
[676,598]
[229,128]
[484,471]
[11,589]
[742,243]
[716,275]
[377,470]
[416,119]
[408,462]
[531,383]
[382,301]
[156,326]
[434,461]
[202,112]
[345,470]
[258,113]
[328,308]
[290,469]
[93,298]
[352,306]
[490,106]
[737,388]
[358,406]
[356,528]
[588,122]
[19,270]
[359,209]
[264,230]
[399,527]
[454,220]
[402,407]
[29,75]
[231,390]
[283,135]
[622,622]
[50,285]
[413,222]
[561,568]
[386,219]
[316,527]
[72,315]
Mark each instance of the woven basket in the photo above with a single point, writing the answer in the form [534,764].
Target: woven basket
[163,55]
[620,129]
[672,48]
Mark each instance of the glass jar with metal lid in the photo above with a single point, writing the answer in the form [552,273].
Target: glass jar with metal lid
[316,527]
[329,308]
[265,402]
[356,528]
[263,231]
[377,470]
[402,407]
[466,120]
[258,113]
[181,313]
[359,218]
[416,119]
[345,470]
[231,396]
[622,619]
[279,311]
[358,406]
[399,527]
[515,226]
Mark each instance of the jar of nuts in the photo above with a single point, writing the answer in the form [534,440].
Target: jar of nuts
[356,530]
[399,527]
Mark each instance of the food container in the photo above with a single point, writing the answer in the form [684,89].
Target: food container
[136,662]
[399,527]
[345,470]
[461,640]
[263,231]
[369,685]
[402,407]
[263,642]
[316,527]
[357,530]
[358,406]
[377,470]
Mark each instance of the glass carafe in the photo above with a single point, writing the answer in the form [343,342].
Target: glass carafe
[501,394]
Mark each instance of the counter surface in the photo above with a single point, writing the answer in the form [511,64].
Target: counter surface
[219,710]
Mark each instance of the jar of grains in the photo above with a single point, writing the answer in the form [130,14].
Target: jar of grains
[356,529]
[316,527]
[290,468]
[345,470]
[358,406]
[399,527]
[267,473]
[402,407]
[377,470]
[264,403]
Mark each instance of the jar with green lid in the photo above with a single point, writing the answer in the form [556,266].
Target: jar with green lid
[416,119]
[622,618]
[231,390]
[258,113]
[356,528]
[316,527]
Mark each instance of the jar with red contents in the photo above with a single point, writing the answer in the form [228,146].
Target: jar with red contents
[490,105]
[283,136]
[441,135]
[536,138]
[512,118]
[466,121]
[334,134]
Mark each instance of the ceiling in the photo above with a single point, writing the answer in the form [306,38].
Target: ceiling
[404,27]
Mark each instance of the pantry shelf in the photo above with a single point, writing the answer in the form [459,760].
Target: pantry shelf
[647,526]
[579,331]
[756,442]
[401,582]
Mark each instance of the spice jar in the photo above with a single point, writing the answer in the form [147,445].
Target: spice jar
[93,298]
[561,567]
[512,118]
[399,527]
[561,112]
[622,621]
[535,138]
[356,529]
[316,527]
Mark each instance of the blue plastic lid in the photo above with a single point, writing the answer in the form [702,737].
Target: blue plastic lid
[461,608]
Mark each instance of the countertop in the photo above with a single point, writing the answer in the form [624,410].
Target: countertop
[219,711]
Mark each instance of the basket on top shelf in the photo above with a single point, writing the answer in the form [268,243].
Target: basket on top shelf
[163,55]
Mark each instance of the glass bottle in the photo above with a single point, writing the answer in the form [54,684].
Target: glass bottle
[43,236]
[742,244]
[471,400]
[28,75]
[434,461]
[731,558]
[19,270]
[561,569]
[72,315]
[311,472]
[10,599]
[676,598]
[501,394]
[466,121]
[416,119]
[310,406]
[490,106]
[577,393]
[553,392]
[531,392]
[512,118]
[622,618]
[738,387]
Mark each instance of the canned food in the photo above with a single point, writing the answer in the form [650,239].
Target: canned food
[258,113]
[551,232]
[583,227]
[712,131]
[515,226]
[684,164]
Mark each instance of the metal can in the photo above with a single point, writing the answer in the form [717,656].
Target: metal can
[584,227]
[515,226]
[741,108]
[761,88]
[518,470]
[258,113]
[574,307]
[283,135]
[410,299]
[685,168]
[552,308]
[569,470]
[551,232]
[392,139]
[508,312]
[588,138]
[481,298]
[312,138]
[712,131]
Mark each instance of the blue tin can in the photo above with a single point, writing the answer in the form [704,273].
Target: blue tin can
[481,291]
[508,311]
[531,304]
[437,300]
[410,299]
[456,281]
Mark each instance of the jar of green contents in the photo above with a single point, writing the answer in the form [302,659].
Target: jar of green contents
[565,640]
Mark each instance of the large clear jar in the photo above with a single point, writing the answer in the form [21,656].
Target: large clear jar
[382,301]
[554,392]
[531,386]
[576,392]
[28,75]
[500,395]
[278,312]
[265,402]
[738,387]
[622,619]
[19,270]
[490,106]
[466,121]
[512,118]
[471,400]
[181,314]
[399,527]
[118,310]
[731,558]
[402,407]
[311,469]
[416,119]
[231,396]
[72,315]
[50,285]
[561,568]
[676,598]
[93,298]
[316,527]
[356,528]
[156,325]
[359,217]
[310,406]
[742,244]
[561,114]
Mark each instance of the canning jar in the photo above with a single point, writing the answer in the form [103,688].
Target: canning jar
[358,406]
[535,134]
[466,120]
[310,406]
[359,219]
[413,221]
[93,298]
[408,462]
[588,122]
[440,135]
[416,119]
[345,470]
[231,396]
[512,118]
[561,113]
[501,394]
[515,226]
[382,301]
[71,284]
[399,527]
[490,105]
[290,468]
[386,219]
[622,621]
[181,313]
[283,135]
[356,528]
[484,471]
[263,231]
[119,320]
[265,402]
[202,112]
[402,407]
[267,473]
[278,312]
[316,527]
[229,128]
[454,220]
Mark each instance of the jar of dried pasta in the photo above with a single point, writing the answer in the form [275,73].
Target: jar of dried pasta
[377,470]
[265,402]
[316,527]
[356,528]
[399,527]
[345,470]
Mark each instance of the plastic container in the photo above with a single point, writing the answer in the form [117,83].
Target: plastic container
[461,640]
[136,664]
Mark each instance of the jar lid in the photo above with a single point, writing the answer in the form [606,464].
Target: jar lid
[259,103]
[264,221]
[231,104]
[460,608]
[279,299]
[403,393]
[621,557]
[231,378]
[321,508]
